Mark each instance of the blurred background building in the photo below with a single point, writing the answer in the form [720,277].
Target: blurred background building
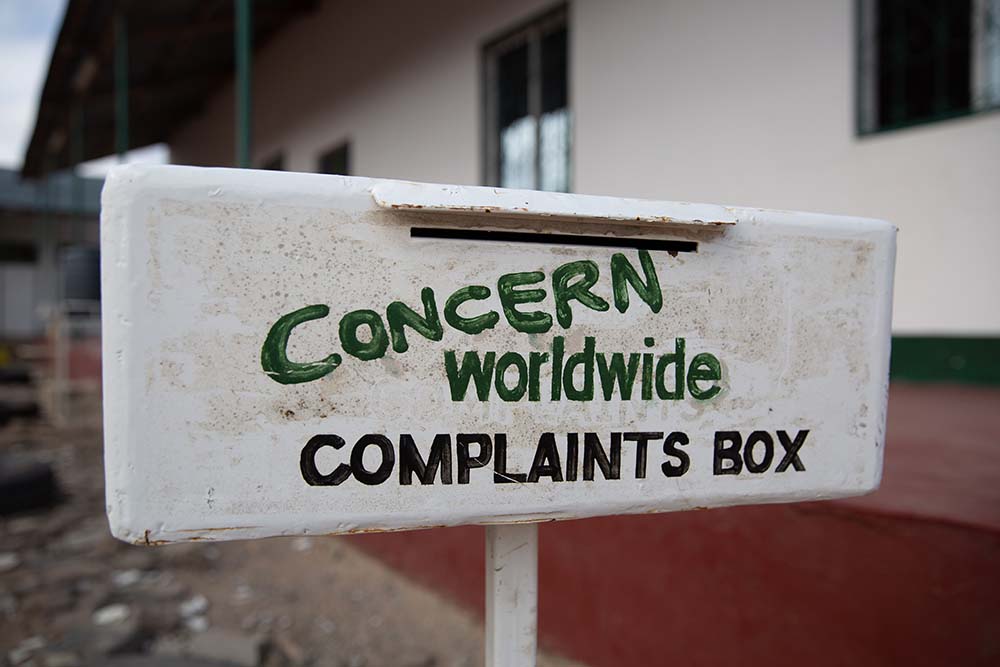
[41,223]
[880,108]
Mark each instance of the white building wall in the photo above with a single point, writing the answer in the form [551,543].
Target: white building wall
[400,80]
[742,103]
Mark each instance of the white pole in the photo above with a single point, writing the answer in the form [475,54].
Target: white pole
[511,595]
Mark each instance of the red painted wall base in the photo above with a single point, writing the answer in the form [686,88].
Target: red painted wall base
[833,583]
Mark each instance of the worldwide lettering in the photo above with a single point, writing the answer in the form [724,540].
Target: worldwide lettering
[582,375]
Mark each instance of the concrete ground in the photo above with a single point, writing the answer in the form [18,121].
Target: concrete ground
[72,595]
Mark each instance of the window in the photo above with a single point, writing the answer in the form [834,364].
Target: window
[12,251]
[336,161]
[527,117]
[275,163]
[925,60]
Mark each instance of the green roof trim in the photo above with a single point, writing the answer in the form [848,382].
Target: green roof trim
[963,360]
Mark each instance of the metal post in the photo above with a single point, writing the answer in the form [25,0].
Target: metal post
[511,595]
[76,157]
[121,86]
[244,77]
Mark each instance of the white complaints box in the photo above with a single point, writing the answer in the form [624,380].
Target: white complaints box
[293,353]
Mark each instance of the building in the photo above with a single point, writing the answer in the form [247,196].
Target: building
[38,222]
[881,108]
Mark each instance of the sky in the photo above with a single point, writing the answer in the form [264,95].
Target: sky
[28,29]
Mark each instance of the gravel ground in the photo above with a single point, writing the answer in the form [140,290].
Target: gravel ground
[72,595]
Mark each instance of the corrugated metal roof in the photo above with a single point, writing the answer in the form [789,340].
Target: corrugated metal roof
[179,53]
